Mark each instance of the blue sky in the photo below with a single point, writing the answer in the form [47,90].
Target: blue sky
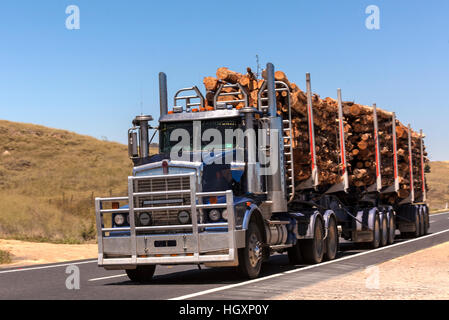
[90,80]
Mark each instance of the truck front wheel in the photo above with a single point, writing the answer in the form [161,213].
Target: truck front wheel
[250,257]
[142,274]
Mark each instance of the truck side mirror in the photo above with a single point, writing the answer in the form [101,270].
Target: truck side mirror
[132,145]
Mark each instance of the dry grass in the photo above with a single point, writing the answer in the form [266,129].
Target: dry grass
[438,181]
[5,257]
[49,179]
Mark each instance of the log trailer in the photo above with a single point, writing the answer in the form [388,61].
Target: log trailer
[200,210]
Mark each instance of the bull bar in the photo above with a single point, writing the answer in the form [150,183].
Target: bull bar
[192,246]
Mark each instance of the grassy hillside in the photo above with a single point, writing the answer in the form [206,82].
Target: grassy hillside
[49,178]
[438,181]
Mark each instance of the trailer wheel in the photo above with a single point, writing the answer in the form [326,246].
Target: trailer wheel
[331,241]
[413,234]
[313,249]
[391,229]
[422,222]
[142,274]
[250,257]
[384,232]
[417,232]
[426,219]
[376,234]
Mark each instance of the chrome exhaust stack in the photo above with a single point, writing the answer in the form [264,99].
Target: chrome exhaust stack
[163,96]
[276,178]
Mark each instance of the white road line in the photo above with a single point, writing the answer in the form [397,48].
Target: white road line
[110,277]
[438,214]
[201,293]
[48,267]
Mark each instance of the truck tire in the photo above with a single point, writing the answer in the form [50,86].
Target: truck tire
[142,274]
[426,220]
[422,221]
[376,234]
[250,257]
[391,229]
[416,221]
[331,241]
[417,232]
[383,231]
[313,249]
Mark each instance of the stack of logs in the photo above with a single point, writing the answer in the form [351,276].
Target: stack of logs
[358,127]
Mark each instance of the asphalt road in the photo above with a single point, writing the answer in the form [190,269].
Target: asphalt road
[188,282]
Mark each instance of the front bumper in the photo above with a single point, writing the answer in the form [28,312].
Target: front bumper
[168,249]
[193,245]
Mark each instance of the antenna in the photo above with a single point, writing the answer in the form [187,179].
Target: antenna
[258,66]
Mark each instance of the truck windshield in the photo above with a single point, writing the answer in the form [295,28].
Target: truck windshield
[219,142]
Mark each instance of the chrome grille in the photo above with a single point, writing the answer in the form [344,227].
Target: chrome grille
[162,218]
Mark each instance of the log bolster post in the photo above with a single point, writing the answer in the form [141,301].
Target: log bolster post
[410,163]
[423,176]
[395,154]
[311,132]
[376,145]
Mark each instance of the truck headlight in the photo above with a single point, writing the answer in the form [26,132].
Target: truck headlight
[119,219]
[224,214]
[184,217]
[214,215]
[145,219]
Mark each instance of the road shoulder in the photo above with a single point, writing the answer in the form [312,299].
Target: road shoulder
[420,275]
[31,253]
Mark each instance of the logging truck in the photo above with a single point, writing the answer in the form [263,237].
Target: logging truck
[221,190]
